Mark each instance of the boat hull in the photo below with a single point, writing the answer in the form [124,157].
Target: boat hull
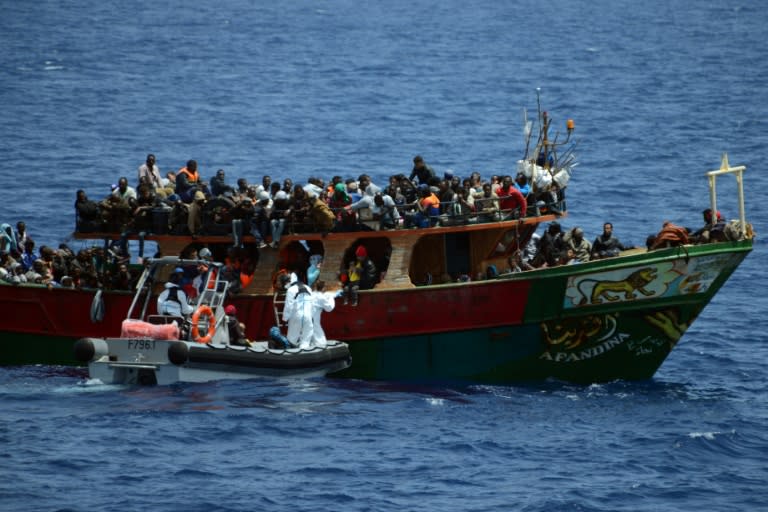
[159,362]
[592,322]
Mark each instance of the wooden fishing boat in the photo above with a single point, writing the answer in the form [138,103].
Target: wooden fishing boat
[613,318]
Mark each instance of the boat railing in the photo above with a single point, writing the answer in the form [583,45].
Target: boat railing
[363,220]
[738,173]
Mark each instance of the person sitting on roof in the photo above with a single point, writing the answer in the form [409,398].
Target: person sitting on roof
[188,182]
[173,301]
[125,192]
[219,185]
[87,215]
[422,171]
[146,201]
[116,212]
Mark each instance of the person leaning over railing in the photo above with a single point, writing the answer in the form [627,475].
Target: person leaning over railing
[427,211]
[511,199]
[487,205]
[385,211]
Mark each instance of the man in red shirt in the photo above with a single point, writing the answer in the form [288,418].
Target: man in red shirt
[511,200]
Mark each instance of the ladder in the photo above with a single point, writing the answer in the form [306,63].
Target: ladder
[278,304]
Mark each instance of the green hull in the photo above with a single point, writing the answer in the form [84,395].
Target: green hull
[581,324]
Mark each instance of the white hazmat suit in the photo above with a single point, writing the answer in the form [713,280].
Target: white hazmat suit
[321,301]
[298,314]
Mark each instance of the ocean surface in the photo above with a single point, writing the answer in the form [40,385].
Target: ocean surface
[659,90]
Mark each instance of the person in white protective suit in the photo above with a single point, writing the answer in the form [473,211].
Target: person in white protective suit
[321,301]
[298,313]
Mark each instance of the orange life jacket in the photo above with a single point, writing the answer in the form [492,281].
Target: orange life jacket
[192,177]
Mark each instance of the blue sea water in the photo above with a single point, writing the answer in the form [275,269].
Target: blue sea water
[658,91]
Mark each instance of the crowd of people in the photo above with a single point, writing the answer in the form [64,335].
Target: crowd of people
[183,202]
[21,261]
[557,247]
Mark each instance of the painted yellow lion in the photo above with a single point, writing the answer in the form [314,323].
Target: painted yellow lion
[611,291]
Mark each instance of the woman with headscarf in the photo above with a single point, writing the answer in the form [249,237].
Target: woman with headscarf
[7,239]
[339,204]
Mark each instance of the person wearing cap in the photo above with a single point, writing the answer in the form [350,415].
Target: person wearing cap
[235,328]
[173,301]
[362,275]
[711,227]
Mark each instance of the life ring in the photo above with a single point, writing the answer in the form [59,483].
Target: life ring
[208,312]
[97,308]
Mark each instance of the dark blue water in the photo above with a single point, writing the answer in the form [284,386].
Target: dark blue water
[658,90]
